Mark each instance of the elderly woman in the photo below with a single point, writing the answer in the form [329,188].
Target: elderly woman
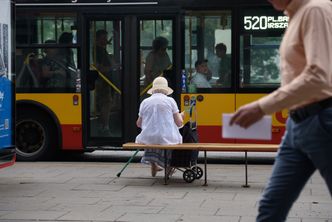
[159,119]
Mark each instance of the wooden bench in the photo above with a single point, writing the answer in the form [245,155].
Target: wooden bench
[217,147]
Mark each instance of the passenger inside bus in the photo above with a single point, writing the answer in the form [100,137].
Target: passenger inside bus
[224,65]
[104,92]
[66,38]
[157,61]
[28,68]
[53,73]
[201,78]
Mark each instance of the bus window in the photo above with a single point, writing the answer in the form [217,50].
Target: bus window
[259,48]
[46,54]
[156,51]
[259,58]
[208,41]
[37,28]
[106,94]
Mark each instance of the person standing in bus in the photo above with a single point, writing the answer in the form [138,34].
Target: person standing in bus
[105,63]
[202,75]
[224,70]
[159,119]
[157,61]
[306,90]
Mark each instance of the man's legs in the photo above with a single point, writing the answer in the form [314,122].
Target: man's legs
[291,171]
[318,147]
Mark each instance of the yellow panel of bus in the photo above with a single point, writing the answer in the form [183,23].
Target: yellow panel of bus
[208,116]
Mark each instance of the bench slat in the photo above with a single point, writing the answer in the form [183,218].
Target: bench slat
[226,147]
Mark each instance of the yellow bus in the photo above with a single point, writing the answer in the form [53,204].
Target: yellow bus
[83,67]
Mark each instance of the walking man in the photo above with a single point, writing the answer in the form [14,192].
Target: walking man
[306,90]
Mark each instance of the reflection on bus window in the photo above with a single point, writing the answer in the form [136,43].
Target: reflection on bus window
[208,37]
[259,58]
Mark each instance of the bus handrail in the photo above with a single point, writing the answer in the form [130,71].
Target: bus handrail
[26,65]
[106,79]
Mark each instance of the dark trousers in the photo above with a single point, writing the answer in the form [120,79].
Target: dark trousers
[306,146]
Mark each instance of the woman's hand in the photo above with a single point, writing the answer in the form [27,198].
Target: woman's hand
[178,119]
[182,114]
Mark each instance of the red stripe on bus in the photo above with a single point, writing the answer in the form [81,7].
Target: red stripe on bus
[9,163]
[72,137]
[213,134]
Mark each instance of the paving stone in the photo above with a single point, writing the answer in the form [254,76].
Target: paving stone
[135,217]
[33,215]
[91,192]
[195,218]
[91,215]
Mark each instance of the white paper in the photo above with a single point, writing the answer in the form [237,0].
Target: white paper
[259,130]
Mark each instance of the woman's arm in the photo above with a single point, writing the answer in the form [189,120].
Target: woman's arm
[139,122]
[178,118]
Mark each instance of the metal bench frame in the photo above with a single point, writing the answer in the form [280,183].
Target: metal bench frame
[216,147]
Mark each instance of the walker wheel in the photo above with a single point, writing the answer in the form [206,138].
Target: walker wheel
[189,176]
[198,172]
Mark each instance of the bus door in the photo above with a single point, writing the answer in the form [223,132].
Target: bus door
[104,80]
[125,54]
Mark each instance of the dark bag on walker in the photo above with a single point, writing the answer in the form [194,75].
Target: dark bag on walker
[186,158]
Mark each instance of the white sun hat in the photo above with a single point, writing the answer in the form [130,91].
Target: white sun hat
[160,83]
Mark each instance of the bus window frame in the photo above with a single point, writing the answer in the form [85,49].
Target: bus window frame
[240,32]
[207,11]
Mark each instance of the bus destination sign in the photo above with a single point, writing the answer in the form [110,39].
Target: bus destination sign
[251,23]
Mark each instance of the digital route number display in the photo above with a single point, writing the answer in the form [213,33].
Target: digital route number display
[264,22]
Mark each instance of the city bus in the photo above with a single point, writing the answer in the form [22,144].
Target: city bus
[83,67]
[7,89]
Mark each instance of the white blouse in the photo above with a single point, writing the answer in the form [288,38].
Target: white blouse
[158,125]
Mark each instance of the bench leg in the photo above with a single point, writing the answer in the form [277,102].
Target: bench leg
[165,169]
[205,169]
[246,185]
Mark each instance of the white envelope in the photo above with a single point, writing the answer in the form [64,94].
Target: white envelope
[260,130]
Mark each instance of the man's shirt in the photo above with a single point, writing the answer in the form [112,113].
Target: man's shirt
[305,57]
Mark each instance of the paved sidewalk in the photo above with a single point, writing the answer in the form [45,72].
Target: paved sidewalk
[90,191]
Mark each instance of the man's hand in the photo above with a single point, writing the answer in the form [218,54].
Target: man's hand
[247,115]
